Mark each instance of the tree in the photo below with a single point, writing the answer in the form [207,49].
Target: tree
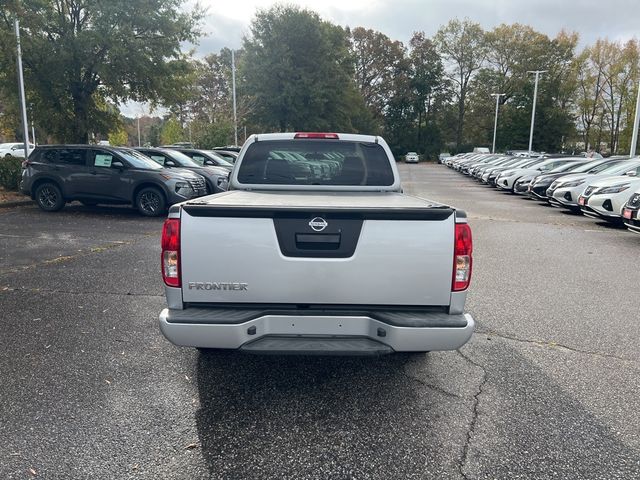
[171,132]
[426,81]
[82,54]
[512,51]
[377,62]
[298,69]
[118,137]
[210,135]
[463,47]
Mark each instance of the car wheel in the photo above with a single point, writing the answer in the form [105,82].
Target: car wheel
[8,155]
[513,189]
[150,202]
[49,197]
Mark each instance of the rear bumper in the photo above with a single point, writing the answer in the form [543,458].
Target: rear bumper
[286,332]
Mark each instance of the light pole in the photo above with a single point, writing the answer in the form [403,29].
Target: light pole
[636,124]
[233,81]
[533,111]
[139,144]
[495,121]
[23,102]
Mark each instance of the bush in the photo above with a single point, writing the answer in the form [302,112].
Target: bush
[10,172]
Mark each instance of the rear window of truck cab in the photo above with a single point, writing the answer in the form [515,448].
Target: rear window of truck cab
[315,162]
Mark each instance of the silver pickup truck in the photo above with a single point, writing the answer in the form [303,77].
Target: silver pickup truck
[315,249]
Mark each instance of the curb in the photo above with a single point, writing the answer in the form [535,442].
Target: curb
[15,203]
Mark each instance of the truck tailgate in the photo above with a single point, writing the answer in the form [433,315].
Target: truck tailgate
[350,249]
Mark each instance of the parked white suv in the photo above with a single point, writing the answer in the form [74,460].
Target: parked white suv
[606,198]
[565,191]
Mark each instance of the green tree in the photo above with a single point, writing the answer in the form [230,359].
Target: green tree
[512,51]
[171,132]
[427,85]
[377,62]
[299,71]
[463,47]
[80,53]
[119,136]
[209,135]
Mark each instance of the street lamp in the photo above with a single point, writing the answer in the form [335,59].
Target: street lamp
[23,101]
[533,111]
[495,121]
[233,80]
[636,123]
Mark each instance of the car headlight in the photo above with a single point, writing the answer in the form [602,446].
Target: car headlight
[575,183]
[184,189]
[613,189]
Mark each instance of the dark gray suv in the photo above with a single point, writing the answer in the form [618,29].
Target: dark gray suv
[56,174]
[216,177]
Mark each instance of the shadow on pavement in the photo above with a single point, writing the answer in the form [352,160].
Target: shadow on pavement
[318,417]
[332,417]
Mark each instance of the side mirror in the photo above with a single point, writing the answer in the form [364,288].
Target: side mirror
[169,163]
[117,164]
[631,173]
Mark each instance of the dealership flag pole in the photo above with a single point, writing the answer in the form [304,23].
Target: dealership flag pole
[25,125]
[495,121]
[533,111]
[233,79]
[636,124]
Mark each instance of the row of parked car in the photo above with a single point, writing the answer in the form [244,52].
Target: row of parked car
[602,188]
[150,179]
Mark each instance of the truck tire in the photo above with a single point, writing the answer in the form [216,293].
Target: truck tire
[150,202]
[49,197]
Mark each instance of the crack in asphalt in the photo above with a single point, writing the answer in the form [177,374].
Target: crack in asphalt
[545,344]
[430,386]
[7,288]
[474,417]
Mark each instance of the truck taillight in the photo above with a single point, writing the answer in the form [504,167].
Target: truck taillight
[462,257]
[171,252]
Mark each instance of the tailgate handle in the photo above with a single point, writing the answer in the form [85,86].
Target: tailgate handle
[318,241]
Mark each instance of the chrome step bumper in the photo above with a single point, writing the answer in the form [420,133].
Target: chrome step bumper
[191,328]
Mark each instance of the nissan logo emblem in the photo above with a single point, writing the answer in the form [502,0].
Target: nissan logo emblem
[318,224]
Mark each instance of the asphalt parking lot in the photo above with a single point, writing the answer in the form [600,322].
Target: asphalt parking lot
[547,388]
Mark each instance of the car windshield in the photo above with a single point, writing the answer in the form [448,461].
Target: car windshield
[315,162]
[180,158]
[228,156]
[530,162]
[138,160]
[218,158]
[567,167]
[620,168]
[604,165]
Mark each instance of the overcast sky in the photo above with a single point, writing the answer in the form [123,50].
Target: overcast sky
[228,21]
